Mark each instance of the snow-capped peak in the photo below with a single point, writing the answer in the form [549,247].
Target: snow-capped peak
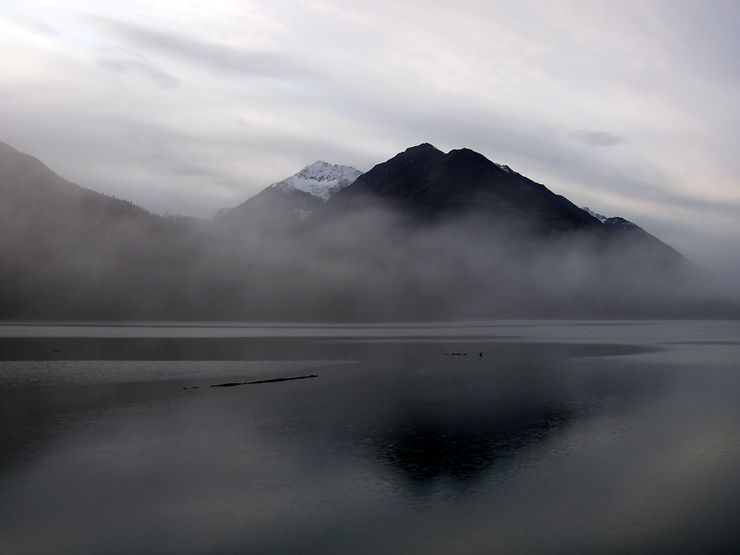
[320,179]
[596,215]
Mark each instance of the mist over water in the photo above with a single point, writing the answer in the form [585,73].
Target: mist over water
[373,264]
[564,437]
[424,235]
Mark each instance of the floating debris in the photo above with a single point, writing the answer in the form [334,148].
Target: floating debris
[456,354]
[271,380]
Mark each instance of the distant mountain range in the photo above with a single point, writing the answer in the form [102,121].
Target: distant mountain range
[424,182]
[332,242]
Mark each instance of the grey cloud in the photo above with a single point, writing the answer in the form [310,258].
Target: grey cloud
[665,197]
[705,41]
[597,138]
[191,171]
[214,57]
[158,75]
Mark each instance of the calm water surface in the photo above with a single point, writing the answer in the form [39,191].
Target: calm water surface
[563,437]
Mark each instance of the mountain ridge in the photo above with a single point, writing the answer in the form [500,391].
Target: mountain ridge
[425,234]
[33,193]
[429,182]
[290,200]
[320,179]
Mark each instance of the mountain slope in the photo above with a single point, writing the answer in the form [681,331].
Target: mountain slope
[271,208]
[435,186]
[319,179]
[625,232]
[68,251]
[498,230]
[290,200]
[24,177]
[430,183]
[36,200]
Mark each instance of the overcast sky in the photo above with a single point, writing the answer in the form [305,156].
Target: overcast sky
[629,107]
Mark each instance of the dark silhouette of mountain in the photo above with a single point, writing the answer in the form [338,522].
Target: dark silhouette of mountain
[428,183]
[431,185]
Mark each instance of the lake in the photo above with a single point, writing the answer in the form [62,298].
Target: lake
[464,437]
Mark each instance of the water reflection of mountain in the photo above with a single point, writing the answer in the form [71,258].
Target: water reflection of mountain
[430,454]
[436,422]
[423,419]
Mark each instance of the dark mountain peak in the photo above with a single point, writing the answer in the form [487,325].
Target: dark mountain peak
[426,182]
[422,153]
[469,162]
[466,154]
[393,176]
[423,147]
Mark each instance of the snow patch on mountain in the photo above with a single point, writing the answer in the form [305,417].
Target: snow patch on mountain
[620,223]
[504,167]
[596,215]
[320,179]
[613,221]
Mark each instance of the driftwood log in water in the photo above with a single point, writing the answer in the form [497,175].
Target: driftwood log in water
[272,380]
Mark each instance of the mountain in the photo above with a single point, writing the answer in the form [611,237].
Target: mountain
[424,235]
[292,199]
[319,179]
[510,238]
[429,183]
[433,186]
[69,251]
[593,214]
[271,208]
[626,232]
[32,196]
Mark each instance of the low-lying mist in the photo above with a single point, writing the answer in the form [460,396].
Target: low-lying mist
[373,264]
